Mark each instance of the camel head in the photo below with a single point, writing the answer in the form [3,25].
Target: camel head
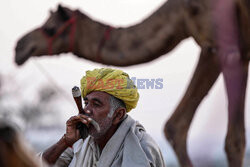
[54,37]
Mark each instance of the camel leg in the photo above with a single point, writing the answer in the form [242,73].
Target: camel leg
[235,71]
[236,81]
[176,129]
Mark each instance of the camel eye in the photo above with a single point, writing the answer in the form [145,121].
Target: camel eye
[49,31]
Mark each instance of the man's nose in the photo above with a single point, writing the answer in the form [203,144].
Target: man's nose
[87,111]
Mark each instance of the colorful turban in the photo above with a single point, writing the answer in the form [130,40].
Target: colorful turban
[112,81]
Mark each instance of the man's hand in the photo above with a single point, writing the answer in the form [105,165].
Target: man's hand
[72,133]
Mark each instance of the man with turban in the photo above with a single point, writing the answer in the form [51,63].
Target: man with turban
[120,141]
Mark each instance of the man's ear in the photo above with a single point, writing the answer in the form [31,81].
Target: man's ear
[119,115]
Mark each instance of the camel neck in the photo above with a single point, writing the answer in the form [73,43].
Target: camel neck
[136,44]
[88,35]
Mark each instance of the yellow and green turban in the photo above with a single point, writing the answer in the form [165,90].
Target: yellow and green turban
[111,81]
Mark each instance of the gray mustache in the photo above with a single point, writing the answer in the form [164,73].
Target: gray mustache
[96,125]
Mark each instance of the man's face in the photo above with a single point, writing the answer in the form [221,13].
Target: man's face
[98,103]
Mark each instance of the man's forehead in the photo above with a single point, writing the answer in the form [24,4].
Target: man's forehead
[98,95]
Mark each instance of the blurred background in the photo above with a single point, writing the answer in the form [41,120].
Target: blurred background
[37,96]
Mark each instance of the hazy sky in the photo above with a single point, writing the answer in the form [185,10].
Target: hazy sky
[155,106]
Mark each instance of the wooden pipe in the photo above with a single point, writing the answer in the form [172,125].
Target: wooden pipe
[78,99]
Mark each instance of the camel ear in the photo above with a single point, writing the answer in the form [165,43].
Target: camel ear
[63,13]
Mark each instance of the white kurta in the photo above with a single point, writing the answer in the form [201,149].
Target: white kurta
[130,146]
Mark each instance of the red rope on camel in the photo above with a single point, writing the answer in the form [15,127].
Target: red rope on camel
[102,43]
[50,39]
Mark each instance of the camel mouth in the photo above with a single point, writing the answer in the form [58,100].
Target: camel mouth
[20,58]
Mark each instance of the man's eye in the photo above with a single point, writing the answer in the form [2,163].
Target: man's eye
[97,104]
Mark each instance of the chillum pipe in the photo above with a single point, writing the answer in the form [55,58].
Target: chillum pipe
[78,99]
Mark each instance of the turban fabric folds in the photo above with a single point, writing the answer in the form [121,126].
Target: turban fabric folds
[112,81]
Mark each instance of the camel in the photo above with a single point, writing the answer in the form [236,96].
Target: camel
[14,150]
[220,28]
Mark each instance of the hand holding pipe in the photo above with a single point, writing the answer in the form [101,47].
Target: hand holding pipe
[78,99]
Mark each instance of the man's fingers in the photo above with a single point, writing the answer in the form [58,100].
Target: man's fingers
[72,120]
[86,118]
[83,116]
[84,121]
[76,119]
